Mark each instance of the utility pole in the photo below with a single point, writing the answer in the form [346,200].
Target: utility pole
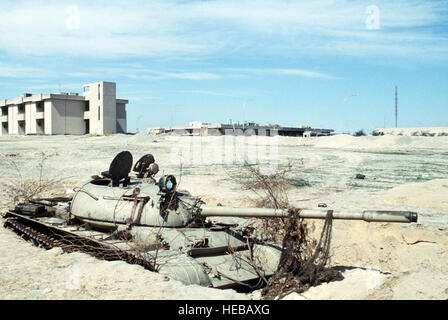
[396,107]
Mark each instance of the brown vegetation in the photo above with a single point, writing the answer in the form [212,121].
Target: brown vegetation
[303,259]
[22,189]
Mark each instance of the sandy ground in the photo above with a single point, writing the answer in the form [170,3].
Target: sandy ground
[378,260]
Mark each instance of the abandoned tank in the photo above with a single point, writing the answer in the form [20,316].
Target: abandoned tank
[125,213]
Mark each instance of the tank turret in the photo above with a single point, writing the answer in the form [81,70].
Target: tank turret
[151,204]
[145,202]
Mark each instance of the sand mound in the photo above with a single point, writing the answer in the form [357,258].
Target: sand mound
[415,131]
[29,272]
[146,136]
[392,261]
[384,143]
[431,194]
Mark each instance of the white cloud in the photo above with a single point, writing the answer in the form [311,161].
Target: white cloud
[137,71]
[192,75]
[18,71]
[289,72]
[223,73]
[197,28]
[233,94]
[157,75]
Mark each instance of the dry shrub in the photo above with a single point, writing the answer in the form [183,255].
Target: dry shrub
[303,259]
[302,263]
[270,190]
[20,189]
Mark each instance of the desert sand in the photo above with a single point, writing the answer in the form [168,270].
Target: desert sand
[378,260]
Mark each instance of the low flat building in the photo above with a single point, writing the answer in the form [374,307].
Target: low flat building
[97,111]
[198,128]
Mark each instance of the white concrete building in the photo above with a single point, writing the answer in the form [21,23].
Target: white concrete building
[97,111]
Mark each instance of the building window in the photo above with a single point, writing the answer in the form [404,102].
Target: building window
[4,111]
[99,113]
[40,106]
[4,128]
[21,108]
[87,106]
[86,126]
[21,127]
[40,126]
[99,98]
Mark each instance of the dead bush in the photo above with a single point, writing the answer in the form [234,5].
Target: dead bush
[303,259]
[18,188]
[270,190]
[302,262]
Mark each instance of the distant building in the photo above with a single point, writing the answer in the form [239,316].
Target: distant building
[197,128]
[97,111]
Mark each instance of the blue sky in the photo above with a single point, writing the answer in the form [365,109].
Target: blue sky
[327,64]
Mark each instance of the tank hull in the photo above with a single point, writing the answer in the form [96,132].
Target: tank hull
[223,261]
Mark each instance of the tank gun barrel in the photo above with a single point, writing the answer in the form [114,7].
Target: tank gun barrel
[368,215]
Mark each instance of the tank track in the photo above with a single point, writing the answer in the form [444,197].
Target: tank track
[48,237]
[29,234]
